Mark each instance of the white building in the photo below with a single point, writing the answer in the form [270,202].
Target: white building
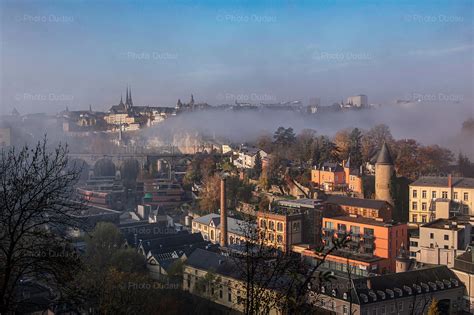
[246,158]
[358,100]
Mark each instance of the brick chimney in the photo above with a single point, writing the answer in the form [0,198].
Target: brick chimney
[223,240]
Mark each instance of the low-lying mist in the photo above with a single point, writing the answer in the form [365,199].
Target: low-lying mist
[428,123]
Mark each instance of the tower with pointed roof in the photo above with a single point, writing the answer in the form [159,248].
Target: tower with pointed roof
[384,170]
[128,98]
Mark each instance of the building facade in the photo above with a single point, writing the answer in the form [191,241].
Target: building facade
[434,198]
[369,238]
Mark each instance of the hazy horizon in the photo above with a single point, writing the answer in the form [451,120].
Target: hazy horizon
[81,53]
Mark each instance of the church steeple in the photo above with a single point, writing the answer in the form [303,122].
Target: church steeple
[128,97]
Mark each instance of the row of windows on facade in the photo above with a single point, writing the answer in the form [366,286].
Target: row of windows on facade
[212,290]
[279,225]
[354,230]
[424,218]
[444,195]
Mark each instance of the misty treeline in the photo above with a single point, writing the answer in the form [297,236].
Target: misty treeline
[411,158]
[38,212]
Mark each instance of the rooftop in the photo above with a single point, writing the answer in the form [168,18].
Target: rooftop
[330,167]
[384,156]
[368,290]
[233,225]
[442,181]
[454,223]
[356,202]
[212,261]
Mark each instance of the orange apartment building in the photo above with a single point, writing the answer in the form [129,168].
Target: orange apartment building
[367,208]
[333,176]
[373,246]
[282,229]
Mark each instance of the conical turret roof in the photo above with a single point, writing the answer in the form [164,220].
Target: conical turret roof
[384,156]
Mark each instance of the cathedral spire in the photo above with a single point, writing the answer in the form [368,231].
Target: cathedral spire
[130,95]
[126,95]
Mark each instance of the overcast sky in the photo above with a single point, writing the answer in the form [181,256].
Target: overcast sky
[76,53]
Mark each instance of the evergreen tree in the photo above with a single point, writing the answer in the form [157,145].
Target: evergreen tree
[355,147]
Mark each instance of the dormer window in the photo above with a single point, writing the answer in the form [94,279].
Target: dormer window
[432,285]
[399,292]
[344,296]
[334,292]
[407,289]
[381,294]
[390,293]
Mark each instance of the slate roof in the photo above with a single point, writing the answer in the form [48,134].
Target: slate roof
[368,290]
[356,202]
[384,156]
[233,225]
[166,244]
[442,181]
[214,262]
[331,167]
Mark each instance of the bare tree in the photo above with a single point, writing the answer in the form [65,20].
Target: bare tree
[275,279]
[36,189]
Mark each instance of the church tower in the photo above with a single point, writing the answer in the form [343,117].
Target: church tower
[128,98]
[384,170]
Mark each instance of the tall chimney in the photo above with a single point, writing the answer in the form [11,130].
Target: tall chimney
[223,240]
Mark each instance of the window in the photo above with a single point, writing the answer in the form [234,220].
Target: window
[432,235]
[423,218]
[455,195]
[400,306]
[414,205]
[263,224]
[279,239]
[414,218]
[415,193]
[229,296]
[355,230]
[279,226]
[423,206]
[220,294]
[296,226]
[271,225]
[446,247]
[383,310]
[466,196]
[392,308]
[341,227]
[423,194]
[444,194]
[446,237]
[433,194]
[344,309]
